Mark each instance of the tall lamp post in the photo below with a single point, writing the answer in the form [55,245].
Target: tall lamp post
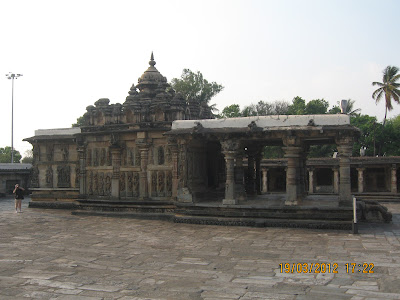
[12,76]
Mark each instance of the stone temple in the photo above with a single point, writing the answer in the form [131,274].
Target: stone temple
[159,156]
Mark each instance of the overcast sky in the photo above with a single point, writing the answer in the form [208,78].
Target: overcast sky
[71,53]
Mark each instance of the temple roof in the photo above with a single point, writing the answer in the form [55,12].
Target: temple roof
[151,78]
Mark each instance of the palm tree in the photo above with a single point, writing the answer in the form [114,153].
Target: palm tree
[388,87]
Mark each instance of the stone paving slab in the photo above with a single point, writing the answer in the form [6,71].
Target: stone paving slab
[51,254]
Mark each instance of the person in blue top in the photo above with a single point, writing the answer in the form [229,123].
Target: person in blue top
[19,195]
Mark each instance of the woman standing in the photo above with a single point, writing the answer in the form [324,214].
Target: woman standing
[19,195]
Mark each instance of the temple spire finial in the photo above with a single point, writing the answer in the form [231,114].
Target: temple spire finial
[152,62]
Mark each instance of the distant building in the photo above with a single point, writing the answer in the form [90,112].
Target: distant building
[11,174]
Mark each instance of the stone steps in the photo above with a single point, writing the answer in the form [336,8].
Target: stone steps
[307,217]
[381,197]
[262,222]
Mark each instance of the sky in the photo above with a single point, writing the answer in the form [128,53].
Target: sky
[72,53]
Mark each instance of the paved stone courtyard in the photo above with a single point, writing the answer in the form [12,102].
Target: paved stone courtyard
[51,254]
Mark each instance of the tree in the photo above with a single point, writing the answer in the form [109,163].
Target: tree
[194,87]
[266,109]
[371,131]
[316,107]
[5,155]
[28,157]
[231,111]
[350,110]
[79,122]
[297,107]
[389,87]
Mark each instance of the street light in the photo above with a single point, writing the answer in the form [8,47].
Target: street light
[12,76]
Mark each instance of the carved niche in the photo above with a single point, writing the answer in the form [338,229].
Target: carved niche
[101,184]
[108,185]
[160,155]
[135,184]
[35,177]
[160,187]
[65,153]
[137,157]
[122,182]
[90,183]
[96,157]
[168,184]
[109,159]
[36,153]
[77,176]
[154,184]
[49,152]
[64,176]
[95,183]
[130,182]
[103,156]
[89,157]
[49,177]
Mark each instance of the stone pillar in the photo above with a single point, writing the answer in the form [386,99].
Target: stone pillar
[116,163]
[311,181]
[345,149]
[250,186]
[229,148]
[230,178]
[361,179]
[393,181]
[336,180]
[240,190]
[143,184]
[258,172]
[264,180]
[292,153]
[82,170]
[173,146]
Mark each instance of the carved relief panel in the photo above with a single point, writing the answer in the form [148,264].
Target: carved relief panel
[64,176]
[35,177]
[77,176]
[89,157]
[49,177]
[49,152]
[107,187]
[90,183]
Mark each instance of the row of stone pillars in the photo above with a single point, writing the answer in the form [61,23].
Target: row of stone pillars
[295,174]
[393,179]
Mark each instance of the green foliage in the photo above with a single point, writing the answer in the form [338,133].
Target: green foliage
[79,122]
[390,139]
[271,152]
[388,88]
[5,155]
[316,107]
[371,132]
[28,157]
[334,110]
[321,150]
[231,111]
[298,106]
[266,109]
[194,87]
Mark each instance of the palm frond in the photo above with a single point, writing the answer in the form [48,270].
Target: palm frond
[377,83]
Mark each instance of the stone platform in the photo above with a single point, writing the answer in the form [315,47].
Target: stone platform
[316,211]
[51,254]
